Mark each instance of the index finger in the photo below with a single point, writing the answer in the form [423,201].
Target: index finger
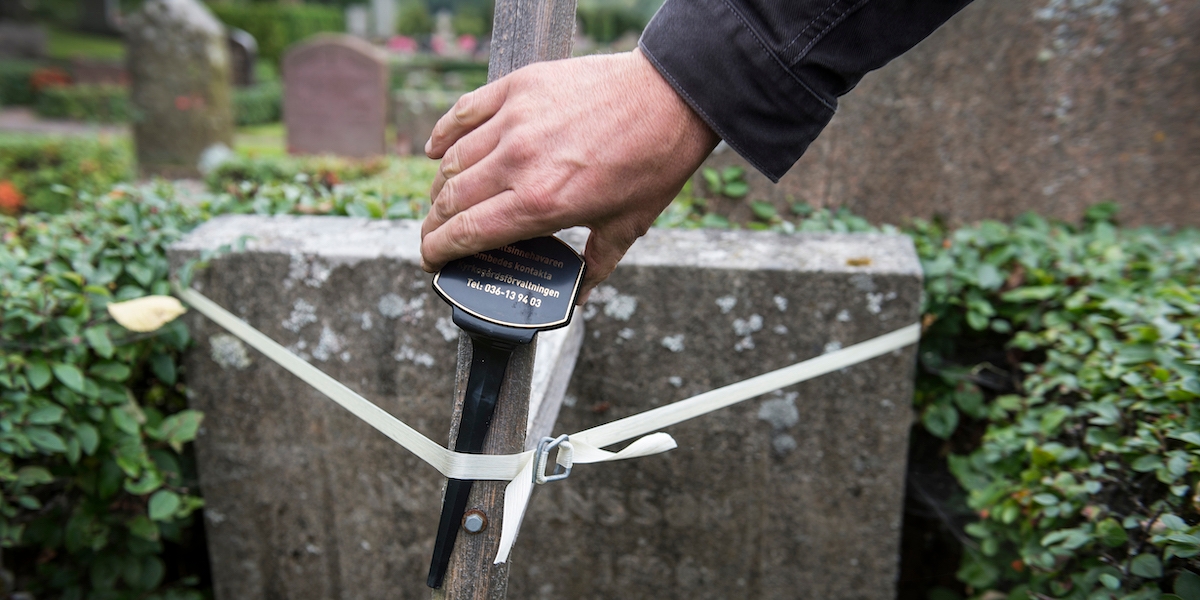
[470,111]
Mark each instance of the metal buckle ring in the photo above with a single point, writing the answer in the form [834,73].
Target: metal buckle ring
[562,463]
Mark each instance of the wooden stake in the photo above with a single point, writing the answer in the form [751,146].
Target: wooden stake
[523,32]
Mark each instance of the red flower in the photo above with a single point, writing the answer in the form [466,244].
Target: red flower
[11,199]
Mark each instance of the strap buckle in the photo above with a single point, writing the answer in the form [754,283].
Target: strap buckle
[563,460]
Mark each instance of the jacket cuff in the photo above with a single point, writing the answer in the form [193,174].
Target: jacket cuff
[718,65]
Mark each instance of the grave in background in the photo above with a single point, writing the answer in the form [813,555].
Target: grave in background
[180,92]
[416,112]
[243,54]
[22,40]
[335,97]
[797,494]
[1018,106]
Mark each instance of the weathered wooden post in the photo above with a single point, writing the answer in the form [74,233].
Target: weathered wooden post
[523,32]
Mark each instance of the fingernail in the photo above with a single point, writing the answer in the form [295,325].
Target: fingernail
[429,145]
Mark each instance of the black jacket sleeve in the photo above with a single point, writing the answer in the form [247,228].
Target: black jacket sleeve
[766,74]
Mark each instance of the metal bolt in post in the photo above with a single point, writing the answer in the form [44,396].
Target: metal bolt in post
[474,521]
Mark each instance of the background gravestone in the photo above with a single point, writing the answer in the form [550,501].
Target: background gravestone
[181,97]
[243,54]
[100,16]
[1014,106]
[383,17]
[797,494]
[416,112]
[358,20]
[22,40]
[335,97]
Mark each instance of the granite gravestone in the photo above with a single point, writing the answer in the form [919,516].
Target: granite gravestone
[416,112]
[180,94]
[383,18]
[243,55]
[1036,105]
[22,40]
[335,97]
[100,16]
[358,20]
[797,494]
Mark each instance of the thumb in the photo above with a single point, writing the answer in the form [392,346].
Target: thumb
[603,251]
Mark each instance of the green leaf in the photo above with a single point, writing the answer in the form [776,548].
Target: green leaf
[940,420]
[149,482]
[97,338]
[163,366]
[143,527]
[46,415]
[1031,293]
[38,373]
[181,427]
[1146,566]
[763,210]
[89,438]
[712,179]
[732,173]
[1187,585]
[69,375]
[152,573]
[46,440]
[714,221]
[989,277]
[163,505]
[124,420]
[110,370]
[736,189]
[33,475]
[1109,581]
[1147,463]
[141,273]
[1111,533]
[1046,499]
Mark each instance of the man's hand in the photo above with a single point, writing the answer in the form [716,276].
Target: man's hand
[599,141]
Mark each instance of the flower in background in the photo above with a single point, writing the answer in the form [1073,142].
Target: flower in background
[467,43]
[402,43]
[48,77]
[11,199]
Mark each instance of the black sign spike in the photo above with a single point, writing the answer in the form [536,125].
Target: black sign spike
[501,299]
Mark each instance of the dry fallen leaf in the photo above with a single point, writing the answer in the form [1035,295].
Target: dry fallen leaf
[861,261]
[147,313]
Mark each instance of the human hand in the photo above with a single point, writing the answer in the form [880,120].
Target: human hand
[598,141]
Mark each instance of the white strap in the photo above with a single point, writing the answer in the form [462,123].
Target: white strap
[518,468]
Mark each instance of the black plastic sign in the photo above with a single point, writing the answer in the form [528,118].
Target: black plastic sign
[529,285]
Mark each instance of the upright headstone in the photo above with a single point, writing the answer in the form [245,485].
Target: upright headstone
[22,40]
[100,16]
[179,65]
[358,20]
[335,97]
[243,55]
[416,112]
[383,17]
[1039,105]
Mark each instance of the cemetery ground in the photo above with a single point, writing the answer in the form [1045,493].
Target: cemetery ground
[1055,452]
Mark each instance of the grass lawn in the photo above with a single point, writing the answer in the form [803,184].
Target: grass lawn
[65,44]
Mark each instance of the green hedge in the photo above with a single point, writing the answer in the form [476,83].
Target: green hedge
[96,103]
[49,171]
[15,88]
[259,104]
[93,418]
[607,23]
[1078,350]
[277,26]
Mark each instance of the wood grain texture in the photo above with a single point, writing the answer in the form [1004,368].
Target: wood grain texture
[523,32]
[529,31]
[471,574]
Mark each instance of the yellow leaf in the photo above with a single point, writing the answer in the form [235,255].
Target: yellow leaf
[147,313]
